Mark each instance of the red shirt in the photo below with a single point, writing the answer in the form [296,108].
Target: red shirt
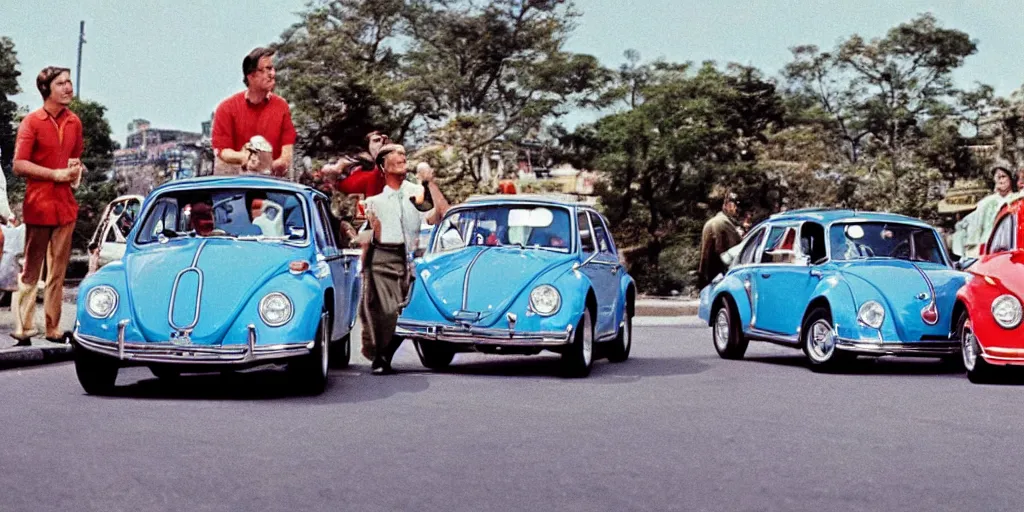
[237,120]
[49,142]
[368,183]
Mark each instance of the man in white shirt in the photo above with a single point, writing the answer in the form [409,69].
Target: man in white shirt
[394,218]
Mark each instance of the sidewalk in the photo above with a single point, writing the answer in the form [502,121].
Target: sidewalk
[666,306]
[41,351]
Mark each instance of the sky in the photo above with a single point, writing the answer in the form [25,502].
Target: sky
[171,62]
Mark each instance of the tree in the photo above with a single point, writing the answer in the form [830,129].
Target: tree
[690,135]
[97,189]
[8,109]
[339,69]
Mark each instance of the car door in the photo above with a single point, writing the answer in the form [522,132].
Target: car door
[606,255]
[599,272]
[783,279]
[744,266]
[334,258]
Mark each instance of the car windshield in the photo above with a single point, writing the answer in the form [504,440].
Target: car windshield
[525,226]
[244,214]
[865,240]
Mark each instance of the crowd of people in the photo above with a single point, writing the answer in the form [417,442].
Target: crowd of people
[252,133]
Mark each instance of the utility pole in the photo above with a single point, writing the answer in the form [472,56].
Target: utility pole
[78,71]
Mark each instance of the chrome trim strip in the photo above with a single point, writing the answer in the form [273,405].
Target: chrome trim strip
[193,354]
[772,337]
[481,336]
[120,338]
[199,293]
[898,348]
[465,281]
[931,293]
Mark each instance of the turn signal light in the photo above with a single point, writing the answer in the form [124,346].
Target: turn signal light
[298,266]
[930,314]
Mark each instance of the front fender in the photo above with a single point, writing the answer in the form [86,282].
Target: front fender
[844,295]
[306,294]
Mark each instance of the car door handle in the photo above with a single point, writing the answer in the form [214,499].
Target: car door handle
[765,275]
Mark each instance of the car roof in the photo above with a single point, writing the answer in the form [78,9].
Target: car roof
[243,181]
[829,215]
[549,199]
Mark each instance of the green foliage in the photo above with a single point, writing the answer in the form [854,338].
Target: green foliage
[8,109]
[96,189]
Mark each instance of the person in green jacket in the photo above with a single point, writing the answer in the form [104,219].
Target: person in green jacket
[719,235]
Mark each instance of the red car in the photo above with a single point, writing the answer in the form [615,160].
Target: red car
[989,305]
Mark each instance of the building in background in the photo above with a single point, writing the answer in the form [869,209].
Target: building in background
[152,156]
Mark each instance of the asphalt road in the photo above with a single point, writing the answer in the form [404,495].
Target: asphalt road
[673,428]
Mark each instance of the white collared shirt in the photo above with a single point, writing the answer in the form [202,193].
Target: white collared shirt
[399,218]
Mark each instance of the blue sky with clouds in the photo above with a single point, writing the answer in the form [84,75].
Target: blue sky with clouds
[171,62]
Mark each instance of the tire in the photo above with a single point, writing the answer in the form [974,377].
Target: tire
[579,356]
[726,333]
[310,372]
[96,373]
[167,373]
[623,344]
[819,343]
[341,352]
[978,370]
[436,355]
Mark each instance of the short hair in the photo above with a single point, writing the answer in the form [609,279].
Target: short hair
[252,61]
[387,150]
[46,78]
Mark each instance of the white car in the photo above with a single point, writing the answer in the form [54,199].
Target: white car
[108,242]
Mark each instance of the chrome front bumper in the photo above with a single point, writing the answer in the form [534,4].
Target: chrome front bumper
[479,336]
[899,349]
[167,352]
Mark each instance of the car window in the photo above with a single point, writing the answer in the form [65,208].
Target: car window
[586,233]
[600,234]
[867,240]
[1002,235]
[325,235]
[235,213]
[525,226]
[812,242]
[781,245]
[750,247]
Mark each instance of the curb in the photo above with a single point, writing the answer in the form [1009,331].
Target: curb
[14,357]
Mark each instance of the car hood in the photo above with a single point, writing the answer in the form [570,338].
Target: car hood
[496,275]
[231,272]
[905,291]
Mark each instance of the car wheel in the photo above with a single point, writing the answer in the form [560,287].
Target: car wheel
[435,355]
[730,343]
[341,352]
[620,348]
[97,374]
[979,371]
[165,372]
[819,343]
[579,356]
[310,371]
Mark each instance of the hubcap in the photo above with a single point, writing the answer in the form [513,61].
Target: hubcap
[822,344]
[627,336]
[969,346]
[722,329]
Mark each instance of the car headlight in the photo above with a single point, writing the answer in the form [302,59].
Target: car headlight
[545,300]
[871,314]
[101,302]
[1007,311]
[276,309]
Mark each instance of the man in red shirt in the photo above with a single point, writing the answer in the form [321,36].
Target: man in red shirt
[255,111]
[46,154]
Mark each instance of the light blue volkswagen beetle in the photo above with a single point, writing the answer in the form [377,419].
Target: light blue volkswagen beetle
[517,275]
[222,273]
[837,284]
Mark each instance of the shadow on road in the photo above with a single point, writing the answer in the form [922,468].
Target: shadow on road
[603,372]
[345,386]
[872,366]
